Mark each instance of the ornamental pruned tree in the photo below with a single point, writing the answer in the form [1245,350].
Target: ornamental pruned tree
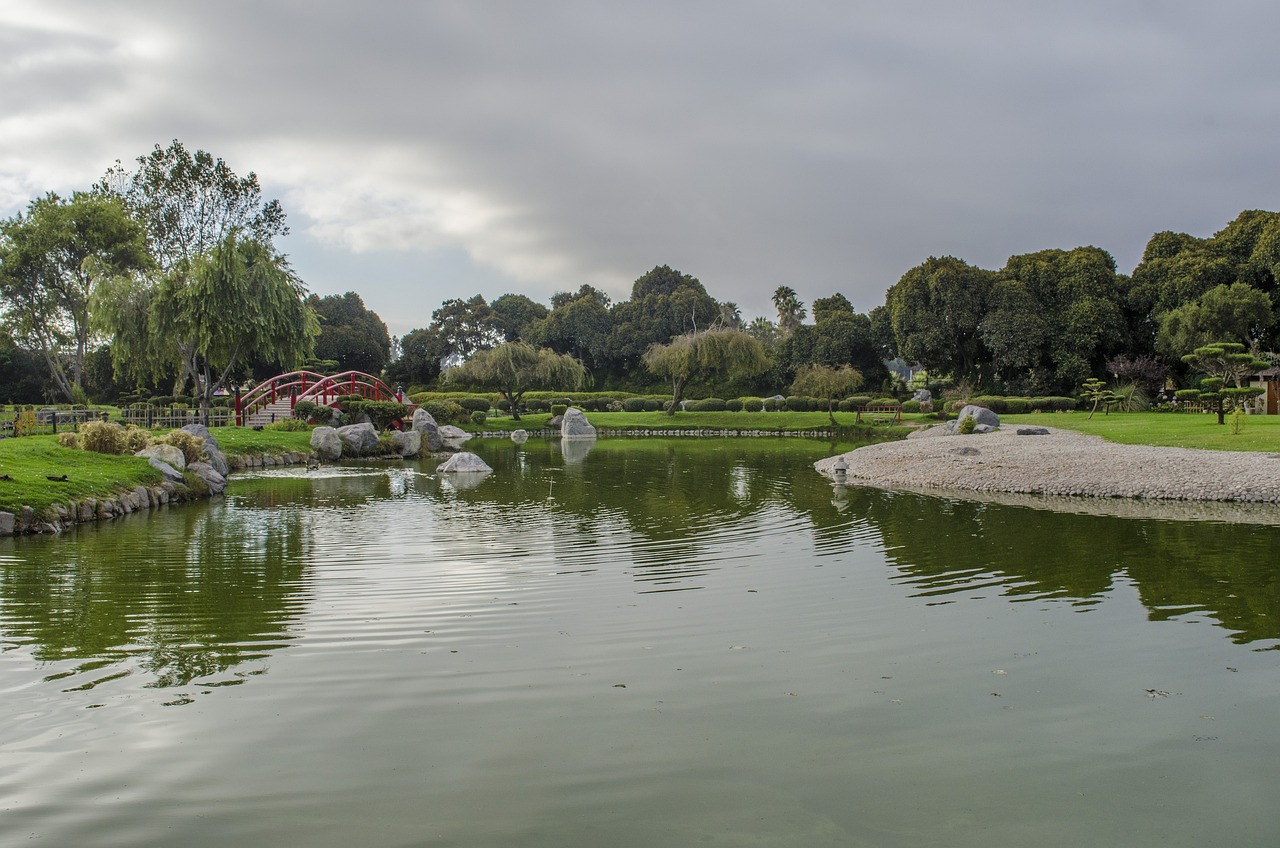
[1224,362]
[826,382]
[1096,390]
[513,368]
[728,354]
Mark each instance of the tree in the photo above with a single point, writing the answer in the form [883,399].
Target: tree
[1224,362]
[513,368]
[514,314]
[826,382]
[936,310]
[49,260]
[1237,312]
[580,327]
[791,310]
[236,301]
[664,303]
[351,335]
[422,355]
[710,353]
[466,326]
[189,204]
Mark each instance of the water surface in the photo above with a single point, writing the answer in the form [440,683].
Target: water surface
[637,643]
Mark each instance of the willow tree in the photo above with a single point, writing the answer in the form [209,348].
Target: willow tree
[235,302]
[826,382]
[727,354]
[513,368]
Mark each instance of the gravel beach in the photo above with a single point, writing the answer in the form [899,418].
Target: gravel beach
[1062,463]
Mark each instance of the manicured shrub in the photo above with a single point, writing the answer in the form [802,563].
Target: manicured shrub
[443,411]
[992,402]
[478,418]
[859,400]
[589,405]
[503,405]
[1017,406]
[911,406]
[796,403]
[304,410]
[558,409]
[101,437]
[709,405]
[772,404]
[752,404]
[633,405]
[652,405]
[846,405]
[884,401]
[733,404]
[474,404]
[381,412]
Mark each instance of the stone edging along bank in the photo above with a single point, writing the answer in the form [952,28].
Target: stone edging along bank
[61,517]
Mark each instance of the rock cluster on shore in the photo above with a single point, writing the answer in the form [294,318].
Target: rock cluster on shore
[1063,463]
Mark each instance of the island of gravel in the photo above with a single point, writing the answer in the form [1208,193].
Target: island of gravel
[1061,462]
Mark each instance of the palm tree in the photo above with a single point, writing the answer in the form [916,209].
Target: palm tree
[791,310]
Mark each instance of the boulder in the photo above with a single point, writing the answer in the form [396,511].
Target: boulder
[554,422]
[171,474]
[7,523]
[1032,431]
[965,451]
[464,463]
[575,425]
[408,442]
[923,396]
[451,433]
[425,424]
[359,439]
[206,472]
[980,415]
[203,432]
[519,436]
[168,454]
[326,443]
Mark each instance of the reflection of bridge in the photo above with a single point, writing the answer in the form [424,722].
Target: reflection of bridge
[274,399]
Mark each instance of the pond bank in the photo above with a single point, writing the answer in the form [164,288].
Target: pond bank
[1063,463]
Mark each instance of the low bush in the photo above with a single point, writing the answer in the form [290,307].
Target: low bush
[537,405]
[796,403]
[101,437]
[478,418]
[69,440]
[192,447]
[134,439]
[381,412]
[289,425]
[558,409]
[444,411]
[304,410]
[634,405]
[967,426]
[911,406]
[474,404]
[708,405]
[859,400]
[503,405]
[772,404]
[651,405]
[733,404]
[884,401]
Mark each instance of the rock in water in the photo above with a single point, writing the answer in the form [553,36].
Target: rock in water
[424,423]
[575,425]
[464,463]
[451,433]
[326,443]
[360,439]
[519,436]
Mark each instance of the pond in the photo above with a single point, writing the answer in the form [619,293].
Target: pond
[639,643]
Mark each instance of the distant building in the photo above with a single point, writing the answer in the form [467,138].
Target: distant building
[1269,401]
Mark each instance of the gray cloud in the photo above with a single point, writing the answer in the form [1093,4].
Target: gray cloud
[428,150]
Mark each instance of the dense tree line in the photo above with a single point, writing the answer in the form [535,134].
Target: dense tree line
[165,277]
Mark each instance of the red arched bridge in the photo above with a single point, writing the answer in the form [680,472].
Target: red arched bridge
[274,399]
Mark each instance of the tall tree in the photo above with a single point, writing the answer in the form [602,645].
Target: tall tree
[238,300]
[936,310]
[49,259]
[189,203]
[791,311]
[513,368]
[1237,313]
[514,314]
[350,334]
[729,354]
[466,326]
[664,303]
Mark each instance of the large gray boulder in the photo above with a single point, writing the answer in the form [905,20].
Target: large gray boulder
[170,473]
[206,472]
[407,442]
[575,425]
[359,439]
[464,463]
[923,396]
[424,423]
[454,434]
[168,454]
[980,415]
[211,449]
[326,443]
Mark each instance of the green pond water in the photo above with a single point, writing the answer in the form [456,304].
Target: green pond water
[640,643]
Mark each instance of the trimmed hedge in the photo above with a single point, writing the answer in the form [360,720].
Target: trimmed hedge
[752,404]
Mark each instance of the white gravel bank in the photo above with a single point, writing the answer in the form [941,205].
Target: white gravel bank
[1063,463]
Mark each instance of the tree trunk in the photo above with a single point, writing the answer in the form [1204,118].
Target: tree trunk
[514,400]
[830,410]
[677,394]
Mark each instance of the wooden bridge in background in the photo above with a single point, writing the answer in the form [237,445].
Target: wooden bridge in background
[274,399]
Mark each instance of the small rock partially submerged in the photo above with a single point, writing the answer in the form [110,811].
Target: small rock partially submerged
[464,463]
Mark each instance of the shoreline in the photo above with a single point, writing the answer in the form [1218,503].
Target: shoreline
[1062,463]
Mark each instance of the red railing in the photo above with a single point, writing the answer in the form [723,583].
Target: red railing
[316,388]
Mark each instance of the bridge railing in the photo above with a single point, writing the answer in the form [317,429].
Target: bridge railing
[316,388]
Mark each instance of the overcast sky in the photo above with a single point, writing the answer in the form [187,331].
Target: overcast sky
[428,150]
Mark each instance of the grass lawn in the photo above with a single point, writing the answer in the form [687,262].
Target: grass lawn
[239,441]
[31,460]
[1164,429]
[776,422]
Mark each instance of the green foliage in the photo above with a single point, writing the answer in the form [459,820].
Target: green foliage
[443,411]
[752,404]
[381,412]
[135,439]
[474,404]
[289,425]
[633,405]
[479,417]
[911,406]
[69,440]
[558,409]
[727,354]
[25,423]
[192,446]
[707,405]
[353,337]
[733,404]
[305,410]
[514,368]
[798,403]
[967,426]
